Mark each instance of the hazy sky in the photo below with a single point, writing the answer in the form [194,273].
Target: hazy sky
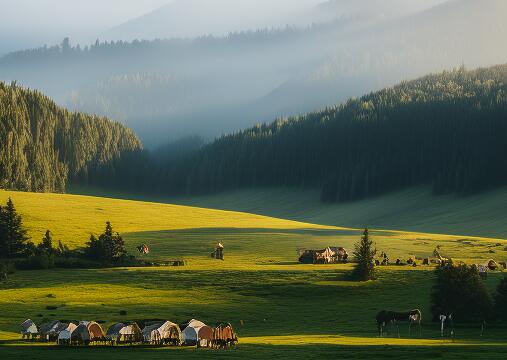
[72,13]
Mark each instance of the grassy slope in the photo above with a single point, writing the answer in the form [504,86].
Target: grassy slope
[288,310]
[411,210]
[72,218]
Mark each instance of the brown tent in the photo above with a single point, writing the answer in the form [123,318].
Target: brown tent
[205,336]
[223,336]
[87,332]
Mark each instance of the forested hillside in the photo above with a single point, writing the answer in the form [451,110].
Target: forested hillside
[448,130]
[43,146]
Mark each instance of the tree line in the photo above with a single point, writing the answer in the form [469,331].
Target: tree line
[43,147]
[446,130]
[17,250]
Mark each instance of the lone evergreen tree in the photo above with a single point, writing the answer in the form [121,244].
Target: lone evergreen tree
[12,234]
[47,243]
[364,254]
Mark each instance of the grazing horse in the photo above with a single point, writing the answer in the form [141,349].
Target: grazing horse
[386,317]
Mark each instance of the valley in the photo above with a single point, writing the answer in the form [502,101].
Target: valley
[259,287]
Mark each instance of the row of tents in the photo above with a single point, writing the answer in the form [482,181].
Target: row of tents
[155,332]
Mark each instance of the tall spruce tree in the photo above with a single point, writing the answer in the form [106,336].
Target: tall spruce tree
[12,234]
[112,244]
[47,243]
[364,254]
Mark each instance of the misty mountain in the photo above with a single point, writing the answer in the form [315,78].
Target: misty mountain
[447,130]
[374,9]
[194,18]
[166,89]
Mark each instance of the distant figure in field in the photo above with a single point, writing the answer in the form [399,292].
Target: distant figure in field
[386,317]
[219,252]
[143,249]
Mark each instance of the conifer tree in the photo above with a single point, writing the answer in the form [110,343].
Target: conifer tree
[13,235]
[364,254]
[47,243]
[112,244]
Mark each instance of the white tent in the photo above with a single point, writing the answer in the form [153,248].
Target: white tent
[28,328]
[65,335]
[191,331]
[162,331]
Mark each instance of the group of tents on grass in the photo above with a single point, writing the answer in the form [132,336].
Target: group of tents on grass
[154,332]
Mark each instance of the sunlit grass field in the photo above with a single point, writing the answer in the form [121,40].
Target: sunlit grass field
[280,309]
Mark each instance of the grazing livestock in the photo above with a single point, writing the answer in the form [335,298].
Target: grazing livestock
[29,329]
[446,323]
[386,317]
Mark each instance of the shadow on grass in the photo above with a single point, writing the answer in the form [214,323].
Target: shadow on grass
[259,352]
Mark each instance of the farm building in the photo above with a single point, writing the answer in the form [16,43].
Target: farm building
[329,255]
[162,333]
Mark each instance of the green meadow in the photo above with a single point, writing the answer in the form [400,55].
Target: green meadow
[279,308]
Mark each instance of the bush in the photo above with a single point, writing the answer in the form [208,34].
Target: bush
[460,290]
[37,262]
[76,263]
[501,300]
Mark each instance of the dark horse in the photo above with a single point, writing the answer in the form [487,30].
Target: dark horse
[386,317]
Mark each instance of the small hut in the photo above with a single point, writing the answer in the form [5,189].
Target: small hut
[125,333]
[29,329]
[161,333]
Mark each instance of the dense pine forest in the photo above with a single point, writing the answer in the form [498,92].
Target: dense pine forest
[43,146]
[447,130]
